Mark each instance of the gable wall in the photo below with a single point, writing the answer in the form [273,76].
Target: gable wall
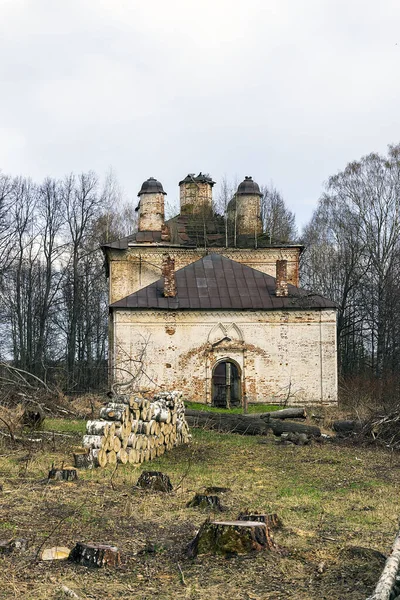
[136,267]
[280,353]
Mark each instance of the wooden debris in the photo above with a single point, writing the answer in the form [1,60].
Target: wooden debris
[63,474]
[133,429]
[230,538]
[271,520]
[95,555]
[56,553]
[298,439]
[247,424]
[346,427]
[8,546]
[285,413]
[33,416]
[214,489]
[83,459]
[155,481]
[68,592]
[205,501]
[387,581]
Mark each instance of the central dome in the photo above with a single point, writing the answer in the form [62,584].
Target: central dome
[152,186]
[248,187]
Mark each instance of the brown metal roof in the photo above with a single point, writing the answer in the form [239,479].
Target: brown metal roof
[216,282]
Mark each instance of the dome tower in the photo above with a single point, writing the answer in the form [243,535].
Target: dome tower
[245,208]
[151,205]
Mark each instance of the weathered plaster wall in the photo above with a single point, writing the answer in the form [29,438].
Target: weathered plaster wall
[151,212]
[280,354]
[137,267]
[195,197]
[248,215]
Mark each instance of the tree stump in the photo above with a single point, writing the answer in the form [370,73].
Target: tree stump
[83,459]
[205,501]
[155,481]
[63,474]
[272,520]
[95,555]
[231,538]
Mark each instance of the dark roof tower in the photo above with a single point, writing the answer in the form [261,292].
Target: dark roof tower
[151,186]
[248,187]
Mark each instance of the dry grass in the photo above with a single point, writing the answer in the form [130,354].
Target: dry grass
[329,497]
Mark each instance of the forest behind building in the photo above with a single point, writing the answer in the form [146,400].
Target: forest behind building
[54,293]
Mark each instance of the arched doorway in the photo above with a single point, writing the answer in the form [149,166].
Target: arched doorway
[226,385]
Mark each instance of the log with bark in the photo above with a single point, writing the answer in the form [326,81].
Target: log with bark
[271,520]
[63,474]
[155,481]
[83,458]
[284,413]
[205,501]
[231,538]
[95,555]
[386,587]
[246,425]
[346,426]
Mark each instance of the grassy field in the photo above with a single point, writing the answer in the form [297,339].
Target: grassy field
[332,500]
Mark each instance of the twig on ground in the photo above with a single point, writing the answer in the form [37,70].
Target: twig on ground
[70,593]
[112,477]
[183,582]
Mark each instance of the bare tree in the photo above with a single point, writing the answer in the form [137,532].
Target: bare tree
[278,221]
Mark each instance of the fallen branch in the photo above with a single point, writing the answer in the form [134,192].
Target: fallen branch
[387,580]
[9,428]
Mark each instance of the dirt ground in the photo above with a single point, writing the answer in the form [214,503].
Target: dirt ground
[339,506]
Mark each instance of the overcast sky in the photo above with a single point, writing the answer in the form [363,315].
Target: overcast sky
[287,91]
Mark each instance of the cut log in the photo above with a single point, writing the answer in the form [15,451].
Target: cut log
[101,457]
[231,538]
[155,481]
[83,459]
[122,456]
[100,428]
[116,444]
[56,553]
[226,422]
[112,457]
[133,457]
[95,555]
[387,580]
[272,520]
[346,427]
[205,501]
[286,413]
[93,441]
[113,414]
[63,474]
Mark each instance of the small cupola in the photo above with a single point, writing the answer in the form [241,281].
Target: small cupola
[248,187]
[151,205]
[151,186]
[244,210]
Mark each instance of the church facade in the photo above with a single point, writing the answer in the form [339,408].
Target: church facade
[211,307]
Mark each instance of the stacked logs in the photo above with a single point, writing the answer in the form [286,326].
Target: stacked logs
[134,430]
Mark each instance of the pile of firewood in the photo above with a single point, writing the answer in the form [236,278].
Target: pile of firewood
[134,430]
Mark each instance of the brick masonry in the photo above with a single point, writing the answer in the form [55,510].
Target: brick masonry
[279,354]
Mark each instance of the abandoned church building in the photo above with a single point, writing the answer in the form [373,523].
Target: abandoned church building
[210,306]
